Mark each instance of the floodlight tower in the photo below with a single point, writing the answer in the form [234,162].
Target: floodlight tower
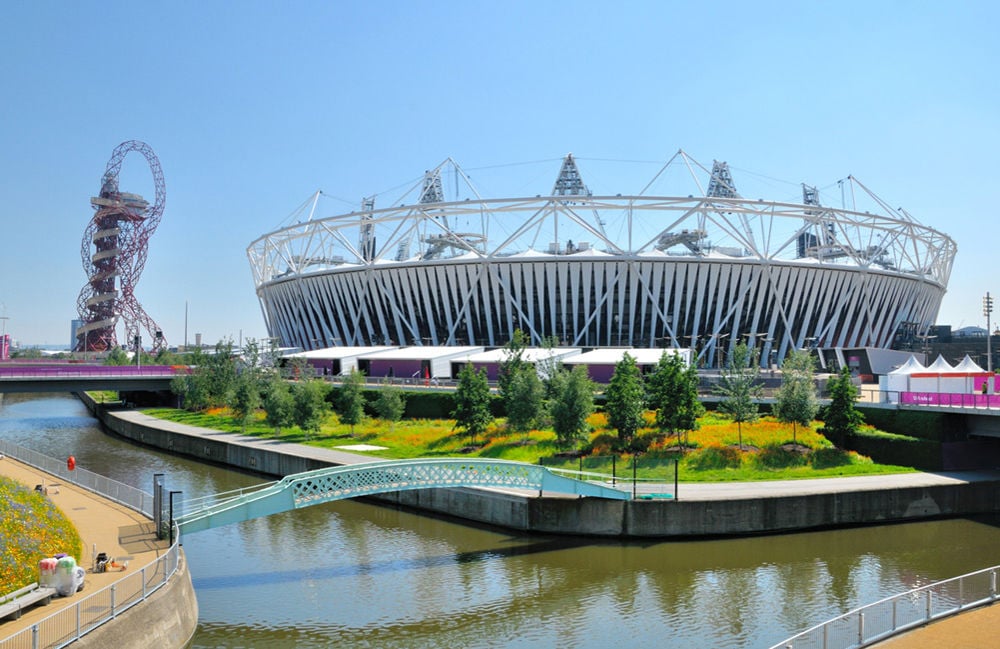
[114,249]
[987,310]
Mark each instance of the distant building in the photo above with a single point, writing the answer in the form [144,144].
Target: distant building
[74,325]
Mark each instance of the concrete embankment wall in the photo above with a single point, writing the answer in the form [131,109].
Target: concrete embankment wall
[168,618]
[593,516]
[701,518]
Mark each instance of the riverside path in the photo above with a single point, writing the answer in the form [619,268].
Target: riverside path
[114,529]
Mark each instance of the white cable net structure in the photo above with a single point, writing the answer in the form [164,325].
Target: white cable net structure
[701,269]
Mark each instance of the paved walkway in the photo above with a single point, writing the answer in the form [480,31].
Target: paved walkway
[111,528]
[975,629]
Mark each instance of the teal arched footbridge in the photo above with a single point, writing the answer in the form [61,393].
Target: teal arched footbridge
[351,481]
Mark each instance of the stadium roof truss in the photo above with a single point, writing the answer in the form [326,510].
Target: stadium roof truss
[571,224]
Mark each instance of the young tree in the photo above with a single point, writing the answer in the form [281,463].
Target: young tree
[279,404]
[391,403]
[472,402]
[512,363]
[310,406]
[116,356]
[740,388]
[523,399]
[549,365]
[841,417]
[796,401]
[246,398]
[219,370]
[248,385]
[673,393]
[352,399]
[572,404]
[625,399]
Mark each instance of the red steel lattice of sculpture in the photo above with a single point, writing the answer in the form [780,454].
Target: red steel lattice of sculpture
[114,250]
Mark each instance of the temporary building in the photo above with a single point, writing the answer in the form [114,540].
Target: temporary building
[898,380]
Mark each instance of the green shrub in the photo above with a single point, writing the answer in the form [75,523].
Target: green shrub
[715,457]
[776,457]
[933,426]
[826,458]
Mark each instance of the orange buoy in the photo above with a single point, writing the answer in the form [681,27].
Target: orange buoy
[71,463]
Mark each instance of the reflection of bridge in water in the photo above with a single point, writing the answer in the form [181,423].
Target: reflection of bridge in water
[352,481]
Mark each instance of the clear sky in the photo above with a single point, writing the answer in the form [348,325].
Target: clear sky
[252,106]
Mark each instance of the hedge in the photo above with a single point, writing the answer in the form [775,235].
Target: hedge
[900,450]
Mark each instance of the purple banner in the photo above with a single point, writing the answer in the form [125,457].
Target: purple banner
[950,399]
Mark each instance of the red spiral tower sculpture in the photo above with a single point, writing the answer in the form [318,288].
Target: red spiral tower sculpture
[114,249]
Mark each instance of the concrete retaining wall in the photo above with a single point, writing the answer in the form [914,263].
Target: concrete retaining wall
[168,618]
[597,517]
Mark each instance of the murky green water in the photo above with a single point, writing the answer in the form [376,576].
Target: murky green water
[351,574]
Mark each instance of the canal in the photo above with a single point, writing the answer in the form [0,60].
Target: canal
[354,574]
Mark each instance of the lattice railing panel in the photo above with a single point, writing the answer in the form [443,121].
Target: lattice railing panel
[347,482]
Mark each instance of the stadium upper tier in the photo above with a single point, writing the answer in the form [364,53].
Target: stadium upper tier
[700,270]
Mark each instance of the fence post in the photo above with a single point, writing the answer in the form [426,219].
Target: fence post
[77,620]
[861,628]
[114,587]
[894,601]
[634,468]
[928,604]
[34,636]
[993,584]
[614,467]
[143,571]
[676,494]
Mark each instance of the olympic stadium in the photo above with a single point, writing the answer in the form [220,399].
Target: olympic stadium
[700,267]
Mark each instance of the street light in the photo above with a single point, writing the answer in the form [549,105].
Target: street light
[987,310]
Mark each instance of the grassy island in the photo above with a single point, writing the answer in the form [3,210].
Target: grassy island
[711,453]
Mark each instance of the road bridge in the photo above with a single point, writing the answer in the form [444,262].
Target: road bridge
[337,483]
[78,377]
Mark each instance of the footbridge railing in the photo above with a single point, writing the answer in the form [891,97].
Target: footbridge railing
[351,481]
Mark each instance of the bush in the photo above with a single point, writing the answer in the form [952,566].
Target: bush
[934,426]
[715,457]
[827,458]
[776,457]
[602,444]
[896,449]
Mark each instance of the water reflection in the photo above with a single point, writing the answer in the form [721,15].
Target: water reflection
[355,574]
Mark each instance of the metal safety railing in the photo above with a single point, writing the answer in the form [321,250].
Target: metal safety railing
[887,617]
[88,613]
[89,371]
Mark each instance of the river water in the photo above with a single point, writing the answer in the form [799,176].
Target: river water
[353,574]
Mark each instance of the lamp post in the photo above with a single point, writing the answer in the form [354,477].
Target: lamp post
[987,310]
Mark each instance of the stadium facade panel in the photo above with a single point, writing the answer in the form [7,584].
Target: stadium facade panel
[702,272]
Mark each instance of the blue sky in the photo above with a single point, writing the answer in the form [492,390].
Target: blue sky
[252,106]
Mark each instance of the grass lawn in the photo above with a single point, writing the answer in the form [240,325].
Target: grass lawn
[711,454]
